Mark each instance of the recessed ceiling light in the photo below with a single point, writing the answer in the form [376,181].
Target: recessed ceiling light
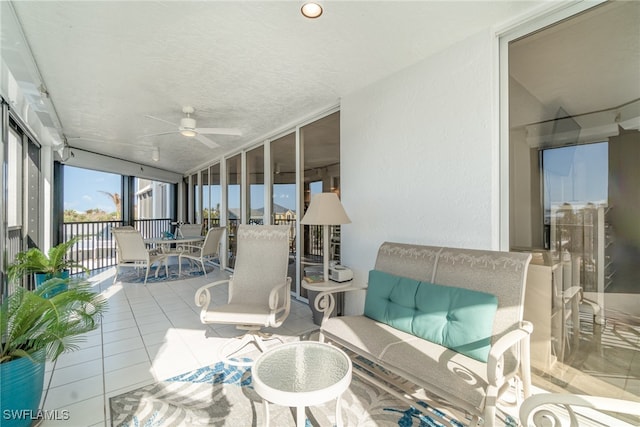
[311,10]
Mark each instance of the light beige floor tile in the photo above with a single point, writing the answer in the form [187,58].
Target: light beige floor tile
[122,334]
[134,374]
[84,354]
[125,359]
[118,325]
[83,413]
[146,319]
[76,372]
[123,346]
[149,328]
[155,338]
[68,394]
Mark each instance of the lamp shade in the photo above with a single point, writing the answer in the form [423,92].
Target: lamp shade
[325,209]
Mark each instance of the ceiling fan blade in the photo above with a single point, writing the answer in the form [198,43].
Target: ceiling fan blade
[206,141]
[219,131]
[157,134]
[161,120]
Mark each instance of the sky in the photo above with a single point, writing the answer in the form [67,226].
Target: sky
[82,189]
[576,174]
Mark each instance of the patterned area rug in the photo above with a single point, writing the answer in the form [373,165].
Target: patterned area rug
[136,275]
[223,395]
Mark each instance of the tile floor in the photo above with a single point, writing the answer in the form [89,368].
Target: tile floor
[149,333]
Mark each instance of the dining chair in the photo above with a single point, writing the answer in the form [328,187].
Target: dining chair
[210,248]
[132,252]
[191,230]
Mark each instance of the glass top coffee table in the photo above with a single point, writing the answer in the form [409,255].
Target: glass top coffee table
[301,374]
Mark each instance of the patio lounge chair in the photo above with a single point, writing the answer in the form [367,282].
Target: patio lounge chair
[258,290]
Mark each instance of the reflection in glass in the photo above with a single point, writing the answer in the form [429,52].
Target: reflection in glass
[573,197]
[255,181]
[320,145]
[234,207]
[215,195]
[283,203]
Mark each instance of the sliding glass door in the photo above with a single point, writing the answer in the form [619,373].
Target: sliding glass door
[574,151]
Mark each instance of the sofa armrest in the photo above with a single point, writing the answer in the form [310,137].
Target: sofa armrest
[535,410]
[495,362]
[325,301]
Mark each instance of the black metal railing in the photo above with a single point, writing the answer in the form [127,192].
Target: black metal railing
[96,249]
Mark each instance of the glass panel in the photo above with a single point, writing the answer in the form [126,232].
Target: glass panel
[574,201]
[234,208]
[320,143]
[14,180]
[283,202]
[215,194]
[206,199]
[197,198]
[255,181]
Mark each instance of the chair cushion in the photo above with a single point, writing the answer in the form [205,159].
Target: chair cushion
[444,372]
[457,318]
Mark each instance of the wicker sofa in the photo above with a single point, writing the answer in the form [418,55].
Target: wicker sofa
[447,320]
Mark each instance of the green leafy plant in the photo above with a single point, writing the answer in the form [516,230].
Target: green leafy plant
[35,261]
[33,325]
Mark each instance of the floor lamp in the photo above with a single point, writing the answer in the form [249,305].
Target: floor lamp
[325,209]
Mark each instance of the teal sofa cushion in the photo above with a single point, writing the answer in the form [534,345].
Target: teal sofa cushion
[457,318]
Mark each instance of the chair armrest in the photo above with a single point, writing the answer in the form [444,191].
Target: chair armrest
[203,296]
[572,292]
[534,411]
[495,361]
[280,304]
[187,246]
[274,298]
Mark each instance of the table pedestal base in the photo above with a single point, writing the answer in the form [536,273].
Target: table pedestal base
[300,414]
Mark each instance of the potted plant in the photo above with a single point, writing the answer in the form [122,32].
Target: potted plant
[44,266]
[36,327]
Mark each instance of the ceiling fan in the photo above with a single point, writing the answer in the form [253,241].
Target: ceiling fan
[187,127]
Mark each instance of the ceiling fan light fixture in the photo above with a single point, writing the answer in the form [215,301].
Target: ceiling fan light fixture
[311,10]
[188,126]
[155,154]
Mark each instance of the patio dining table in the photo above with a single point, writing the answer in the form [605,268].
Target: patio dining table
[165,244]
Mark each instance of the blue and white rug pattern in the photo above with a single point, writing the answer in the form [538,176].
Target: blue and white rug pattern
[136,275]
[223,395]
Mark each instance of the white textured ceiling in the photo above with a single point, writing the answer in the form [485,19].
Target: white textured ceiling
[254,65]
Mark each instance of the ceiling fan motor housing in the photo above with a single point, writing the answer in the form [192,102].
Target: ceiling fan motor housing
[187,123]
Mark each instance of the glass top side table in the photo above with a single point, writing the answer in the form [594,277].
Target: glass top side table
[300,374]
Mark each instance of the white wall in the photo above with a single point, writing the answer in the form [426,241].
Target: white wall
[419,157]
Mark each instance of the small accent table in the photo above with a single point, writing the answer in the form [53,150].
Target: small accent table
[316,305]
[301,374]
